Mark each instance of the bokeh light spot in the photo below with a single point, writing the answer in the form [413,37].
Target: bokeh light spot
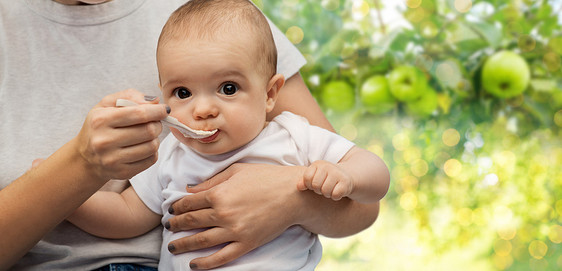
[555,234]
[538,249]
[558,118]
[451,137]
[295,34]
[464,216]
[412,154]
[331,4]
[359,9]
[413,3]
[452,167]
[490,179]
[507,232]
[502,247]
[419,167]
[376,149]
[505,159]
[429,29]
[409,183]
[552,61]
[479,217]
[448,73]
[417,15]
[408,201]
[401,141]
[502,221]
[463,6]
[502,262]
[526,43]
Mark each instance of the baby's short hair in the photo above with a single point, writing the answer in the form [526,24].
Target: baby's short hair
[209,18]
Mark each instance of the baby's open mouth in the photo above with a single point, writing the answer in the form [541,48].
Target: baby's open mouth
[210,138]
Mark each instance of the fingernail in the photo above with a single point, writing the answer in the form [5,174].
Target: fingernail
[171,247]
[171,210]
[149,98]
[192,266]
[191,185]
[167,225]
[168,109]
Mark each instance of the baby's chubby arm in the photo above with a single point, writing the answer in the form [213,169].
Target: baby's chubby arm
[360,175]
[112,215]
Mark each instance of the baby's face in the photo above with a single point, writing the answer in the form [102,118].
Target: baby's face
[214,85]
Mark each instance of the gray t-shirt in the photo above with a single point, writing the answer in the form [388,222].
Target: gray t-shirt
[56,63]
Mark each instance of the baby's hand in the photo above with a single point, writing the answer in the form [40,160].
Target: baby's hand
[326,179]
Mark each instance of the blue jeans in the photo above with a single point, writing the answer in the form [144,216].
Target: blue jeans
[125,267]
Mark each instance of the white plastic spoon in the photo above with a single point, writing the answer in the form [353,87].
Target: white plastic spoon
[173,122]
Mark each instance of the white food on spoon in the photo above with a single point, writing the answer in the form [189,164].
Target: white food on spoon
[174,123]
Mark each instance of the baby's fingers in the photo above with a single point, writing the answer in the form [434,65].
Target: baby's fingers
[301,186]
[340,190]
[307,178]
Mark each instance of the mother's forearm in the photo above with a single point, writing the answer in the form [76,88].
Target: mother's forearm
[35,203]
[335,218]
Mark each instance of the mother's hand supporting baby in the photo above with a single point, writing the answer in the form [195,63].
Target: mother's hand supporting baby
[248,205]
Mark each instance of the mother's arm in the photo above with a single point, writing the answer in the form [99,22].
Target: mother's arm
[322,216]
[113,143]
[247,215]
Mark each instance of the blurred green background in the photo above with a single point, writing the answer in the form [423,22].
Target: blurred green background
[475,152]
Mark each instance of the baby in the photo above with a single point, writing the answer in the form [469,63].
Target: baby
[217,66]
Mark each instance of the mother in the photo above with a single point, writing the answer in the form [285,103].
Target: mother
[57,60]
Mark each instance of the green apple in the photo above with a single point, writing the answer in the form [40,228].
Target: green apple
[424,105]
[375,95]
[505,74]
[338,95]
[407,83]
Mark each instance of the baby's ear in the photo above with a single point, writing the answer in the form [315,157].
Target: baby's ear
[273,87]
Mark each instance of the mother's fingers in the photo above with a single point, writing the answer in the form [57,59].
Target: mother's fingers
[138,152]
[116,142]
[192,220]
[225,255]
[205,239]
[190,203]
[128,94]
[128,116]
[129,136]
[215,180]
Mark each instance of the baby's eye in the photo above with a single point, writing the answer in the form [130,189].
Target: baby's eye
[229,89]
[182,93]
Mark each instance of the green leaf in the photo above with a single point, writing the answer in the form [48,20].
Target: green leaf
[556,44]
[471,45]
[489,32]
[400,42]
